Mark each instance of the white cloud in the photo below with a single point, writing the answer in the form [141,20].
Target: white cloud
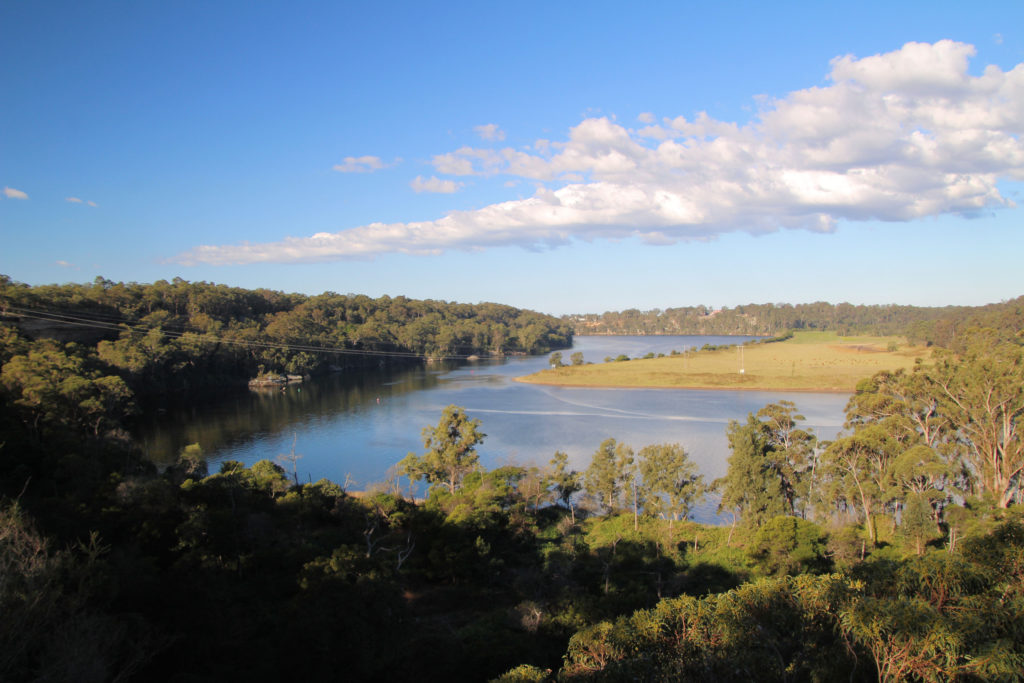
[917,68]
[92,204]
[655,132]
[468,161]
[895,136]
[64,264]
[73,200]
[434,184]
[11,193]
[364,164]
[646,117]
[490,131]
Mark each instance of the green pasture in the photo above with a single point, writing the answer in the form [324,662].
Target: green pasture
[810,361]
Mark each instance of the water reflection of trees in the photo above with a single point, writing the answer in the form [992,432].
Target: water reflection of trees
[235,418]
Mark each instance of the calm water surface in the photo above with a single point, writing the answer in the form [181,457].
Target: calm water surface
[356,426]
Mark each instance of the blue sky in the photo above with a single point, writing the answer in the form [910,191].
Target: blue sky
[567,157]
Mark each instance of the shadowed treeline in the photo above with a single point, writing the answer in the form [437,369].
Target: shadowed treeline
[945,326]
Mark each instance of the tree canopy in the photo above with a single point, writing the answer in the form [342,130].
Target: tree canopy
[450,450]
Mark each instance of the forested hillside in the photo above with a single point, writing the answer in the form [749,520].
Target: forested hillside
[181,337]
[940,326]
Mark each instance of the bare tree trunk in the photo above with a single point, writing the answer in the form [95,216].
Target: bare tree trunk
[403,554]
[636,513]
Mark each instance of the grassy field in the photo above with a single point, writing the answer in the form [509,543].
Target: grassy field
[811,361]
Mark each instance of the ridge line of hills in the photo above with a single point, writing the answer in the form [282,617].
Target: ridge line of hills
[939,326]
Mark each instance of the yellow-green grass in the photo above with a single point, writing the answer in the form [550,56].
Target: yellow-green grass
[810,361]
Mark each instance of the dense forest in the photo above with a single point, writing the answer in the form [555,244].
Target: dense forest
[188,338]
[940,326]
[894,552]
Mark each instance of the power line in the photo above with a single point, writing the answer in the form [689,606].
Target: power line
[95,323]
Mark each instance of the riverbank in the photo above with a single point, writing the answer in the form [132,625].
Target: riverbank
[810,361]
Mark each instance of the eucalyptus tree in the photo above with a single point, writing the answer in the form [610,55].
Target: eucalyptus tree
[608,472]
[917,525]
[751,487]
[771,465]
[966,407]
[670,480]
[450,450]
[925,470]
[534,486]
[922,474]
[904,403]
[854,470]
[564,482]
[792,452]
[51,387]
[982,394]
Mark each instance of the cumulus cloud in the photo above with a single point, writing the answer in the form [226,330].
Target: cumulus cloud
[364,164]
[895,137]
[11,193]
[434,184]
[490,131]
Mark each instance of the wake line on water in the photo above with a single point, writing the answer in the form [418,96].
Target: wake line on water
[624,415]
[595,411]
[600,411]
[685,418]
[581,404]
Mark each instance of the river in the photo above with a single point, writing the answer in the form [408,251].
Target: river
[353,427]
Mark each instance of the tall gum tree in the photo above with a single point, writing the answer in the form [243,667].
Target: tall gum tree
[927,466]
[608,471]
[751,488]
[450,450]
[771,464]
[791,451]
[856,471]
[565,482]
[906,404]
[670,479]
[982,394]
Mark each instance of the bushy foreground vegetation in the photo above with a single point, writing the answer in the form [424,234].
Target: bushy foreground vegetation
[895,552]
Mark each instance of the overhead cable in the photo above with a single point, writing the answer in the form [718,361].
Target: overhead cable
[94,323]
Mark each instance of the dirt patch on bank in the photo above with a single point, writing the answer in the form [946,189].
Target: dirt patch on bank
[857,348]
